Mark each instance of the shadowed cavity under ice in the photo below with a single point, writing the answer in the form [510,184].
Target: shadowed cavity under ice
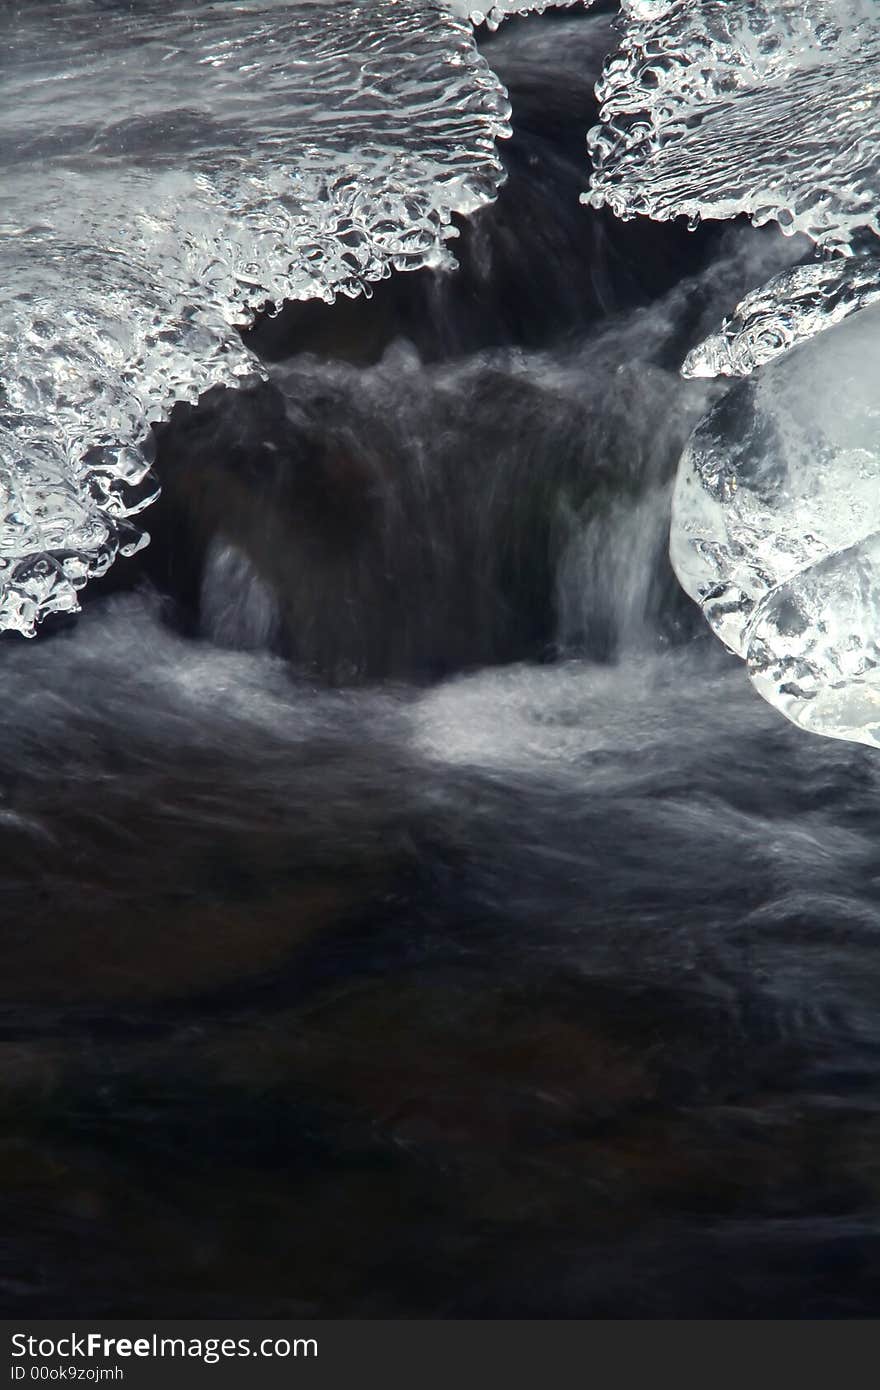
[408,518]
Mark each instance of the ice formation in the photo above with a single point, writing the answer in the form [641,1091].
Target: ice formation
[493,14]
[169,167]
[814,650]
[792,307]
[767,107]
[776,528]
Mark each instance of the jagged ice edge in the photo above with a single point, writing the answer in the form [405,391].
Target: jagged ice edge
[38,583]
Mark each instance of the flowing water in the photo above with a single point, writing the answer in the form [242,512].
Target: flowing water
[409,908]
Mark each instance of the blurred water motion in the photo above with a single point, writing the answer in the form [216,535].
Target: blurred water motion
[407,909]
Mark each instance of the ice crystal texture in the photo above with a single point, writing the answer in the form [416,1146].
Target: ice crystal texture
[792,307]
[493,14]
[713,108]
[169,166]
[776,528]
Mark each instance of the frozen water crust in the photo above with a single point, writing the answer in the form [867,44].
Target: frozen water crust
[776,528]
[792,307]
[169,166]
[493,14]
[713,108]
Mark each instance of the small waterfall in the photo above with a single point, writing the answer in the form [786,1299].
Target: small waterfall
[237,608]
